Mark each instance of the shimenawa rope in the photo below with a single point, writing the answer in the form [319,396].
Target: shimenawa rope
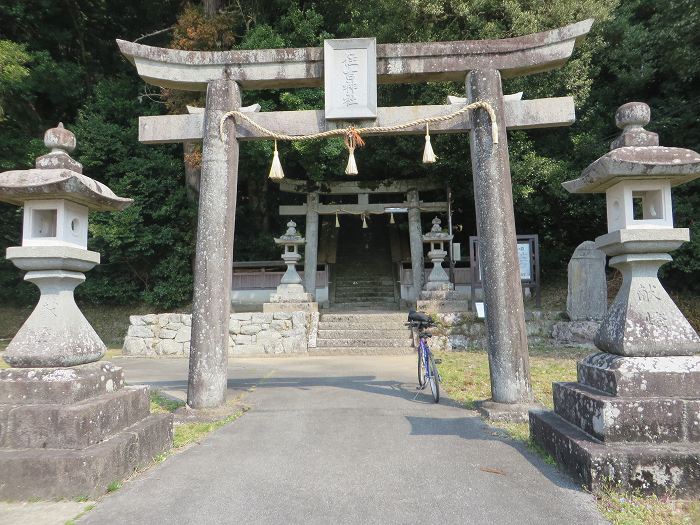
[352,134]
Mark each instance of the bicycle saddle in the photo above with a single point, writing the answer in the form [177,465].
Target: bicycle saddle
[418,317]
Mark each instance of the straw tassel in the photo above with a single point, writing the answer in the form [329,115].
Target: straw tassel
[428,153]
[276,168]
[351,168]
[391,219]
[352,141]
[337,222]
[494,131]
[364,221]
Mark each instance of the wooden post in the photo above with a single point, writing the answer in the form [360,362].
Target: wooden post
[493,194]
[415,240]
[211,303]
[311,248]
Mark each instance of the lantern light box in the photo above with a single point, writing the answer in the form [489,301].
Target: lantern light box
[55,222]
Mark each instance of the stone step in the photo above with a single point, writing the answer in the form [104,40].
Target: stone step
[371,300]
[366,333]
[352,291]
[67,474]
[364,350]
[364,317]
[362,325]
[593,462]
[380,300]
[28,386]
[366,305]
[388,287]
[74,426]
[364,278]
[384,343]
[627,419]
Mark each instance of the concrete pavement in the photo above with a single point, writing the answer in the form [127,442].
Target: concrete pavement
[341,440]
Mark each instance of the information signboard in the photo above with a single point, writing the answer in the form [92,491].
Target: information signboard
[528,259]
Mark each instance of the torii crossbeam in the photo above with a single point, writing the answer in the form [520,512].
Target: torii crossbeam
[480,63]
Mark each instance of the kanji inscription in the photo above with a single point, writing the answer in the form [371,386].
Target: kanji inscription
[350,78]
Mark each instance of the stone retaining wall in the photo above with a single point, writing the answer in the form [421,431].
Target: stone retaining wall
[462,330]
[169,335]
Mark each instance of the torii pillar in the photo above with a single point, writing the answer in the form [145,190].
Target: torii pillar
[211,302]
[493,196]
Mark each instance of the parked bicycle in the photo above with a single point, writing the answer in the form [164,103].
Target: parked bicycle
[427,369]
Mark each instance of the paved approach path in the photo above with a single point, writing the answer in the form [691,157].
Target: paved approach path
[342,440]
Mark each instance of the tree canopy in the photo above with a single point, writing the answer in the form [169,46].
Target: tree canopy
[59,62]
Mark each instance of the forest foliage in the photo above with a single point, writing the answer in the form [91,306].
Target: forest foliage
[59,62]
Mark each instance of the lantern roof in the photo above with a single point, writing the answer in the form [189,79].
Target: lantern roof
[636,156]
[58,176]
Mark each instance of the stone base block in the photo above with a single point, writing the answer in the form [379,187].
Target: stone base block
[74,426]
[445,301]
[288,297]
[290,307]
[674,376]
[651,468]
[439,286]
[631,419]
[23,386]
[514,413]
[575,332]
[61,473]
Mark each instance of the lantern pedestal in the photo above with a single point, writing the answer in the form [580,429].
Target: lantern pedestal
[56,333]
[70,432]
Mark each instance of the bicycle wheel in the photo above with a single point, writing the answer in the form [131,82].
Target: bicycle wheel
[421,369]
[434,379]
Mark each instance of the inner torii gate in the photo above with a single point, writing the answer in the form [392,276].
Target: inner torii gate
[481,64]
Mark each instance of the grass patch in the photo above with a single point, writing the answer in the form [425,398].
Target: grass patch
[110,322]
[465,378]
[632,508]
[186,433]
[161,404]
[85,510]
[114,486]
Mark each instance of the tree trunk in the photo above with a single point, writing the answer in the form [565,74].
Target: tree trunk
[211,7]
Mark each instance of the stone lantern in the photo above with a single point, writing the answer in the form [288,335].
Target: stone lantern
[291,295]
[68,425]
[633,417]
[436,238]
[439,295]
[56,197]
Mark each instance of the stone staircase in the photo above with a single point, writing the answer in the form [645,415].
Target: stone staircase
[363,274]
[370,333]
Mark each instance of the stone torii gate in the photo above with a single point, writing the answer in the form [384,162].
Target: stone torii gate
[480,64]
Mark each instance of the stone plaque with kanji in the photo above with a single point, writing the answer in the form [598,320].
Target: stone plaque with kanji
[350,78]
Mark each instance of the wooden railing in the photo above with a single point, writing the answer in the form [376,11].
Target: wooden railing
[266,275]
